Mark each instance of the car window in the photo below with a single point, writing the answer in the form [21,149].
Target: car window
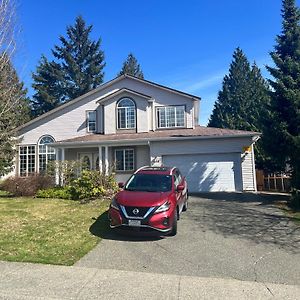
[149,183]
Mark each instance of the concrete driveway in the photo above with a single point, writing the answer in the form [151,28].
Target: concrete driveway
[238,236]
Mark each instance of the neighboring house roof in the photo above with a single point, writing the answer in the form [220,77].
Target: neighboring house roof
[176,134]
[104,85]
[120,91]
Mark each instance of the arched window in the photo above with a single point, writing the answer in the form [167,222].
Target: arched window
[126,114]
[46,153]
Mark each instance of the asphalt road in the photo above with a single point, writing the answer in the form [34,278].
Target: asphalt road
[237,236]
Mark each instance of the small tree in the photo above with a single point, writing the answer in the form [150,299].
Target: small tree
[131,67]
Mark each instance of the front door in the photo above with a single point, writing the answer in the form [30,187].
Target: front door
[89,160]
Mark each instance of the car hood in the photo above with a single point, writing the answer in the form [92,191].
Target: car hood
[142,199]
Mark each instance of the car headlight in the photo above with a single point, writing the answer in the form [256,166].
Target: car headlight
[114,204]
[164,207]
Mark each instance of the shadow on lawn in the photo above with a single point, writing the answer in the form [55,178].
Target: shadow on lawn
[252,217]
[101,229]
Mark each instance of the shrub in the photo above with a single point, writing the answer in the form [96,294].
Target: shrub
[56,192]
[93,184]
[27,186]
[294,202]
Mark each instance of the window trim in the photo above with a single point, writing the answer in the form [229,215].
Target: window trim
[87,120]
[19,159]
[117,115]
[165,108]
[133,159]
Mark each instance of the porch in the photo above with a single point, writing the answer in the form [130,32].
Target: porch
[122,160]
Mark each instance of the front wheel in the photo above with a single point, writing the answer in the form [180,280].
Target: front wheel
[174,227]
[185,205]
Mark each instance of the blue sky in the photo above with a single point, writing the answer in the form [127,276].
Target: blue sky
[186,45]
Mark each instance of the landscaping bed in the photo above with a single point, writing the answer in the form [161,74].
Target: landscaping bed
[47,231]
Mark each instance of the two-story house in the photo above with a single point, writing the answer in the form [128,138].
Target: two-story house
[129,122]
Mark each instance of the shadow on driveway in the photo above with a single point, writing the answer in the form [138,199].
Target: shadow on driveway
[246,216]
[101,229]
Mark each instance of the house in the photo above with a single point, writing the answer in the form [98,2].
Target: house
[129,122]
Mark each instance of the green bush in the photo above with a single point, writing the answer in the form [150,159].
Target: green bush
[294,202]
[57,193]
[91,184]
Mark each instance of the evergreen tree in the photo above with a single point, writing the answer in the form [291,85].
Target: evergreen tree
[285,104]
[243,101]
[14,111]
[131,67]
[76,69]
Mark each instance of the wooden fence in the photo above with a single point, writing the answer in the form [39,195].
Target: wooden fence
[275,182]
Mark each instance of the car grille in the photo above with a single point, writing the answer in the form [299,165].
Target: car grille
[141,211]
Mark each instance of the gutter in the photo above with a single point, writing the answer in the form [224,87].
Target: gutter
[144,141]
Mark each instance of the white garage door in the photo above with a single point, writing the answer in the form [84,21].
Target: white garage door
[208,172]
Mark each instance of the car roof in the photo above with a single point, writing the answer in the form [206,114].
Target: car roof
[163,170]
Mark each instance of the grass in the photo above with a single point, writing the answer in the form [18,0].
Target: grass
[47,231]
[292,214]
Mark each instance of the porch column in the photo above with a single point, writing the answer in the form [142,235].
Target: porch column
[100,158]
[106,160]
[56,167]
[62,168]
[62,154]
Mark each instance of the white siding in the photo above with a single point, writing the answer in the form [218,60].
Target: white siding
[248,171]
[70,121]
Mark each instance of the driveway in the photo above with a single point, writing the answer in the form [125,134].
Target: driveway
[227,235]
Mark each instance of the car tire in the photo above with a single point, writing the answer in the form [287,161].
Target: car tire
[185,205]
[174,227]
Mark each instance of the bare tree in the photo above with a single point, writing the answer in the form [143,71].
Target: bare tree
[13,101]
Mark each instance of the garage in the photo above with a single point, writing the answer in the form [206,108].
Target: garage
[209,172]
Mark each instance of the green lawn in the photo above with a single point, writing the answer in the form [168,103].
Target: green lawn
[48,231]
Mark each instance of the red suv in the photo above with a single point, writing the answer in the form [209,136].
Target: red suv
[151,199]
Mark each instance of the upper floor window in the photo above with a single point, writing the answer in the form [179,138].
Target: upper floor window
[126,114]
[91,121]
[170,116]
[46,153]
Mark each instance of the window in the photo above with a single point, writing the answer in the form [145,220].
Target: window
[91,121]
[46,153]
[26,160]
[124,159]
[170,116]
[126,114]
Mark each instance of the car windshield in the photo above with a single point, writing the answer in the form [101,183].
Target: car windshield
[149,183]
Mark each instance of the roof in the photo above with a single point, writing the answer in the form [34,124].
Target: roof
[176,134]
[105,85]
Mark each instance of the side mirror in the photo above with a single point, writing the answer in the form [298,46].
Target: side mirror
[180,188]
[121,185]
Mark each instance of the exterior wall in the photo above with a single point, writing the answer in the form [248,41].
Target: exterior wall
[110,114]
[70,121]
[248,171]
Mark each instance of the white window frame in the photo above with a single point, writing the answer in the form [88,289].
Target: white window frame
[44,153]
[27,160]
[124,163]
[164,109]
[127,109]
[88,120]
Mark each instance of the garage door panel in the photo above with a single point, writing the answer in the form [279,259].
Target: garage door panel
[207,172]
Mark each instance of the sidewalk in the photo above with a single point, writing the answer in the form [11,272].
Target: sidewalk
[34,281]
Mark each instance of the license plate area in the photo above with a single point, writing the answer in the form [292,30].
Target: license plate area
[135,223]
